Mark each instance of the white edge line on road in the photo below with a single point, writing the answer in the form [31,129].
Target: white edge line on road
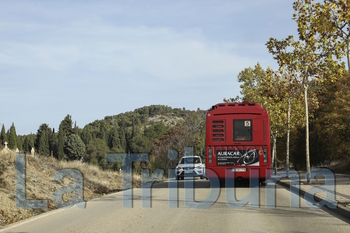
[35,218]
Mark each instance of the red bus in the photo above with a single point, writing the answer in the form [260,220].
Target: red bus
[237,139]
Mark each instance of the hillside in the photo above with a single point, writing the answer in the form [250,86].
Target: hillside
[154,129]
[40,172]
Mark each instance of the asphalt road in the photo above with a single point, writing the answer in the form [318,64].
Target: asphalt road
[107,214]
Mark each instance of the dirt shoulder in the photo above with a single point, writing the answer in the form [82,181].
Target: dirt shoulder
[40,184]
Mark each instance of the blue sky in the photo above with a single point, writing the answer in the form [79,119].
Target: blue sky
[92,59]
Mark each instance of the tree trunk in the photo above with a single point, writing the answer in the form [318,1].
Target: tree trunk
[274,143]
[274,152]
[307,134]
[288,132]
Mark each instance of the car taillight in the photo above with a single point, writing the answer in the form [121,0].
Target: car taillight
[265,155]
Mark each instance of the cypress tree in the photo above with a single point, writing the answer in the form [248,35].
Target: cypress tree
[40,148]
[53,143]
[3,136]
[26,144]
[74,147]
[67,124]
[123,141]
[13,137]
[44,144]
[60,144]
[31,141]
[113,139]
[19,143]
[76,129]
[86,135]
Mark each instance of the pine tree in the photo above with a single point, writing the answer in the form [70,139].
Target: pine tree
[13,137]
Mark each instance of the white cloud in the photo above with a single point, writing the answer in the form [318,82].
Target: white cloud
[160,52]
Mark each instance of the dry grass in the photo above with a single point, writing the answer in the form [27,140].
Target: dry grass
[40,171]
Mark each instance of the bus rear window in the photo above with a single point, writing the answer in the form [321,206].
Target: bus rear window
[242,130]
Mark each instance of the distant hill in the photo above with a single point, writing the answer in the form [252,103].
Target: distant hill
[129,132]
[146,116]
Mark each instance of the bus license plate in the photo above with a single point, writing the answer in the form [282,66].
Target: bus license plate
[238,169]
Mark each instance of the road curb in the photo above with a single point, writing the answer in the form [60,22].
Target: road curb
[341,210]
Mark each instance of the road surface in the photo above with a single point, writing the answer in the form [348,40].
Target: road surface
[107,214]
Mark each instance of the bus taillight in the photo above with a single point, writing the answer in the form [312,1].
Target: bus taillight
[210,155]
[265,155]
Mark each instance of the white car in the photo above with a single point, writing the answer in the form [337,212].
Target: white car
[190,166]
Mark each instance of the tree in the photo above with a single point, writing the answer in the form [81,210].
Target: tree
[327,23]
[270,89]
[155,131]
[140,144]
[3,136]
[86,134]
[103,131]
[28,143]
[19,143]
[185,133]
[114,140]
[12,137]
[76,128]
[60,144]
[74,147]
[303,61]
[53,142]
[123,139]
[315,55]
[67,124]
[331,126]
[42,145]
[96,152]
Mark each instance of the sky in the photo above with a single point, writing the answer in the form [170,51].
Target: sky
[92,59]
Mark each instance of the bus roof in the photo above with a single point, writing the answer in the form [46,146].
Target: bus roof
[239,107]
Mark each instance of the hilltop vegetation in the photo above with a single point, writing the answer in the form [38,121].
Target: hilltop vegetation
[140,131]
